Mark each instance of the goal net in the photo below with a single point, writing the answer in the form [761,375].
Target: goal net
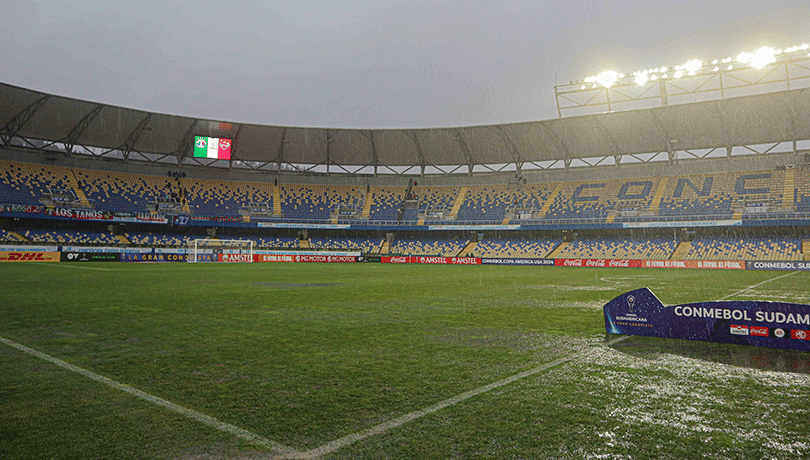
[214,250]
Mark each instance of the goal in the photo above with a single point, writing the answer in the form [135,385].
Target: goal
[214,250]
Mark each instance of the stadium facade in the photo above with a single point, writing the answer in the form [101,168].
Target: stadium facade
[611,182]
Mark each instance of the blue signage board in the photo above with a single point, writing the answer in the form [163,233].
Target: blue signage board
[744,322]
[162,257]
[516,261]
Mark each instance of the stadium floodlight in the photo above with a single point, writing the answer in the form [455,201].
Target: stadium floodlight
[642,79]
[758,59]
[693,66]
[607,78]
[652,82]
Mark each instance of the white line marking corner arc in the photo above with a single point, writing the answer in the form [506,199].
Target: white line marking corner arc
[190,413]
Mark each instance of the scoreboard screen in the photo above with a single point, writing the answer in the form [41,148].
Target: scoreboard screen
[212,147]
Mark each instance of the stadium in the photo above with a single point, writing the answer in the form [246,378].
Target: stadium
[404,293]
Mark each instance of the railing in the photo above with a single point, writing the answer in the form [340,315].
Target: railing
[571,220]
[170,204]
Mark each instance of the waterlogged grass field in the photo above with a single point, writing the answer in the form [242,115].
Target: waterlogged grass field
[382,361]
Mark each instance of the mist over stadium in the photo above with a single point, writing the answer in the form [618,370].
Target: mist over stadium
[196,266]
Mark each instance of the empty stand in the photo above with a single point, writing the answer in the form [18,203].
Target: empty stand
[515,248]
[444,247]
[70,237]
[365,245]
[619,248]
[729,248]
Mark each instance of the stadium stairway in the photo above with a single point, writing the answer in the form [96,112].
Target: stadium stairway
[367,204]
[385,247]
[805,249]
[681,251]
[556,252]
[462,194]
[74,184]
[17,235]
[550,200]
[123,240]
[277,201]
[789,189]
[655,203]
[304,244]
[468,249]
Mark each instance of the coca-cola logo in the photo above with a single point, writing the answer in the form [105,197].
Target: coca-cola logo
[620,263]
[759,331]
[398,260]
[573,262]
[595,263]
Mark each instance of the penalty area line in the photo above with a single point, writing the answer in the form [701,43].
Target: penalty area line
[190,413]
[76,266]
[757,285]
[391,424]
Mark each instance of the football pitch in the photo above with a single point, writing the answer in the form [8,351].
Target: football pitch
[345,361]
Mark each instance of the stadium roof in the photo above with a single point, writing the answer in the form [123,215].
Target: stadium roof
[30,119]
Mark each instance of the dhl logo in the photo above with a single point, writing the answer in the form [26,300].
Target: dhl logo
[29,256]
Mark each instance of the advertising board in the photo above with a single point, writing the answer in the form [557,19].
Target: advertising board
[508,261]
[612,263]
[744,322]
[435,260]
[707,264]
[29,256]
[90,257]
[161,257]
[327,259]
[791,265]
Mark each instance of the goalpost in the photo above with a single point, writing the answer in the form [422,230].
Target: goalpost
[215,250]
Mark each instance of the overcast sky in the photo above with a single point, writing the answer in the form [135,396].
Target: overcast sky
[366,64]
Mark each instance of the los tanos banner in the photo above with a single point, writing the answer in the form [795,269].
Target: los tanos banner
[745,322]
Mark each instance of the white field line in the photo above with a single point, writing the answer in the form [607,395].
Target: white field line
[288,452]
[391,424]
[190,413]
[383,427]
[76,266]
[757,285]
